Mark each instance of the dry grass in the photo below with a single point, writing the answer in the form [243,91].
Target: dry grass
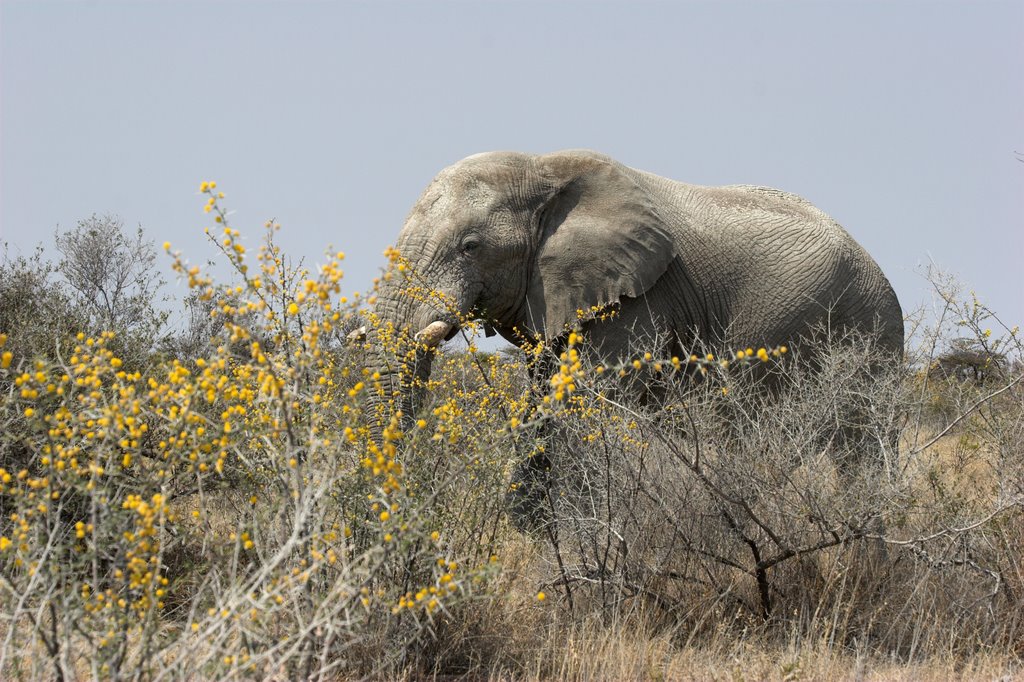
[518,638]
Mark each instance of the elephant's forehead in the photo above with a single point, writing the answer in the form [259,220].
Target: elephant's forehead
[456,197]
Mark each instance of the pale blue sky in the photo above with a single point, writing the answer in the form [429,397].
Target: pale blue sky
[900,119]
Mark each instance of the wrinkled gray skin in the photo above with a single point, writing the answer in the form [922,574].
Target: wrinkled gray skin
[526,241]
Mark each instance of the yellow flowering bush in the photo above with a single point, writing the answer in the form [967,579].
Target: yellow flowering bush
[197,512]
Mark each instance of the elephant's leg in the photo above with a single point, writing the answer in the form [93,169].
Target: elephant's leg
[638,329]
[528,501]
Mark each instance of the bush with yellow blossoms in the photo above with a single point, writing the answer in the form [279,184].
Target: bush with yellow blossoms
[223,512]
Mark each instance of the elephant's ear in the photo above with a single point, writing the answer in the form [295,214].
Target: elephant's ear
[600,237]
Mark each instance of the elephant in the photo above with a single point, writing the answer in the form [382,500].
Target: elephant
[532,244]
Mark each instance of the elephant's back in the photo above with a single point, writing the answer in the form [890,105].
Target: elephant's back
[788,266]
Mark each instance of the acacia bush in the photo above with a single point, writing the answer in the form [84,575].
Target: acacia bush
[219,514]
[218,507]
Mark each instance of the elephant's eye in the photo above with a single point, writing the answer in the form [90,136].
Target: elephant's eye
[470,246]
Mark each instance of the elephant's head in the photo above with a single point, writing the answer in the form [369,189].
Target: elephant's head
[525,243]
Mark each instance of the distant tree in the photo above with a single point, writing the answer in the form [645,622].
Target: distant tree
[113,280]
[969,360]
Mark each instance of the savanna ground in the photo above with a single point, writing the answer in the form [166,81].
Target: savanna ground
[207,501]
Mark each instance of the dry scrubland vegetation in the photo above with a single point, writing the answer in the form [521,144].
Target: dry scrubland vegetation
[208,503]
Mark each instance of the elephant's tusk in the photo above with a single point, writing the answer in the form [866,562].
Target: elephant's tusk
[433,333]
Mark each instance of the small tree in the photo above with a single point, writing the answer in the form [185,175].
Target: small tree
[969,359]
[113,280]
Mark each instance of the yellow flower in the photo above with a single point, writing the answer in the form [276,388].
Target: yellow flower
[293,309]
[167,246]
[4,544]
[5,359]
[541,596]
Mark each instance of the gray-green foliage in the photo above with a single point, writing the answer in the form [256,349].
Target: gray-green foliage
[35,308]
[105,278]
[111,276]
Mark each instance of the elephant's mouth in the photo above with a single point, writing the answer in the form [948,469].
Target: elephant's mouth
[447,326]
[436,332]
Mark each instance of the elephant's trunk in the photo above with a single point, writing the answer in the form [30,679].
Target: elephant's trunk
[397,390]
[407,330]
[402,377]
